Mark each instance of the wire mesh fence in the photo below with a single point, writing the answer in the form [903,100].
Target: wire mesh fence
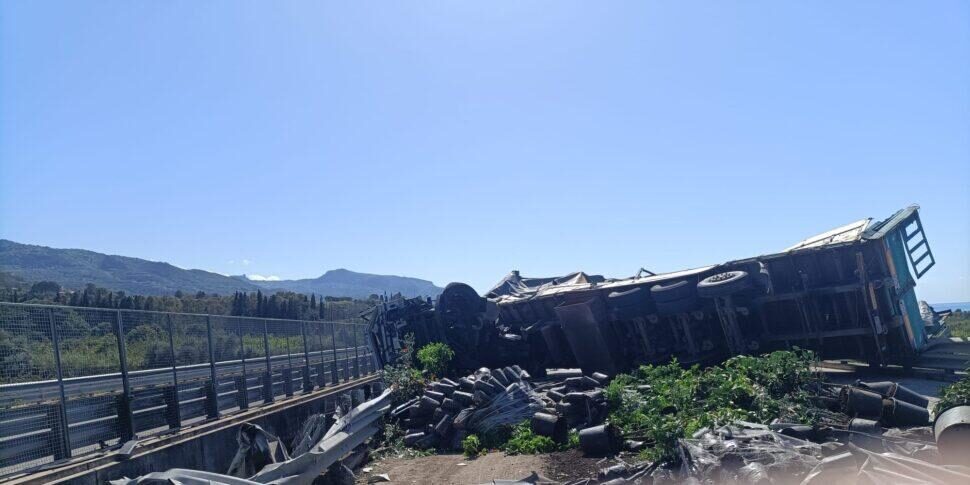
[75,380]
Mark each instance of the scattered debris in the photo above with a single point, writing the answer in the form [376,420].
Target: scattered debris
[380,477]
[263,452]
[481,403]
[257,448]
[952,433]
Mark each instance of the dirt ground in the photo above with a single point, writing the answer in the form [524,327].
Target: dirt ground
[457,469]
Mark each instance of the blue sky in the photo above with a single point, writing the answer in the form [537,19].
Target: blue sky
[454,141]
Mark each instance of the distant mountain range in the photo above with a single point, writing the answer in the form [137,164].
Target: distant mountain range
[342,282]
[74,268]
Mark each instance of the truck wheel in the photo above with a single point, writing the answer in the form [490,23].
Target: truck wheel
[723,284]
[459,299]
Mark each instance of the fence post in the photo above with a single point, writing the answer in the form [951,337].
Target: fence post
[126,421]
[268,377]
[333,364]
[288,371]
[212,390]
[242,392]
[322,365]
[245,377]
[356,355]
[307,383]
[60,432]
[242,348]
[174,405]
[287,381]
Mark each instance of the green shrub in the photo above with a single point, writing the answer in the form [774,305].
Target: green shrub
[407,381]
[661,404]
[525,442]
[471,445]
[435,358]
[956,394]
[573,440]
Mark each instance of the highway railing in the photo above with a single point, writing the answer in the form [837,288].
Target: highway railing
[76,380]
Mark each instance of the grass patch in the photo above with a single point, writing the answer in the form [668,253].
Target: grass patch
[959,324]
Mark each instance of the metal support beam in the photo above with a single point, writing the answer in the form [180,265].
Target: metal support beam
[307,383]
[356,355]
[60,431]
[333,341]
[212,395]
[126,421]
[175,407]
[268,375]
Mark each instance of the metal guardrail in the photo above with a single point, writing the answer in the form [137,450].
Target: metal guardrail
[76,380]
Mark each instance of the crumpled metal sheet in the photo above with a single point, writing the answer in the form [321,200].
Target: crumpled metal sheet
[346,434]
[184,477]
[257,448]
[311,432]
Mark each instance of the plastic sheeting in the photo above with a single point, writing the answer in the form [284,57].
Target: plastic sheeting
[747,453]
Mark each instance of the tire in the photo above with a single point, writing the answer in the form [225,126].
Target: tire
[669,292]
[461,298]
[724,284]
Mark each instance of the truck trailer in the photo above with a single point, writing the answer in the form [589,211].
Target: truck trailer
[848,294]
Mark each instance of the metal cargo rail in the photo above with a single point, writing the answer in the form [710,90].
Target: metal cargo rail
[77,380]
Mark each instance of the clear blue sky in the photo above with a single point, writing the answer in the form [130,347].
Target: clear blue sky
[459,140]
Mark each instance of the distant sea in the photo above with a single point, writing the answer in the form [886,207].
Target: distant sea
[965,306]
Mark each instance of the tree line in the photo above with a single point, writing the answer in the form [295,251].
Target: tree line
[282,304]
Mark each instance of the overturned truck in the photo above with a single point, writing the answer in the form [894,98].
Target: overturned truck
[847,294]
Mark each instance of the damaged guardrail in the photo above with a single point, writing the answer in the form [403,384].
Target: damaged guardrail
[348,432]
